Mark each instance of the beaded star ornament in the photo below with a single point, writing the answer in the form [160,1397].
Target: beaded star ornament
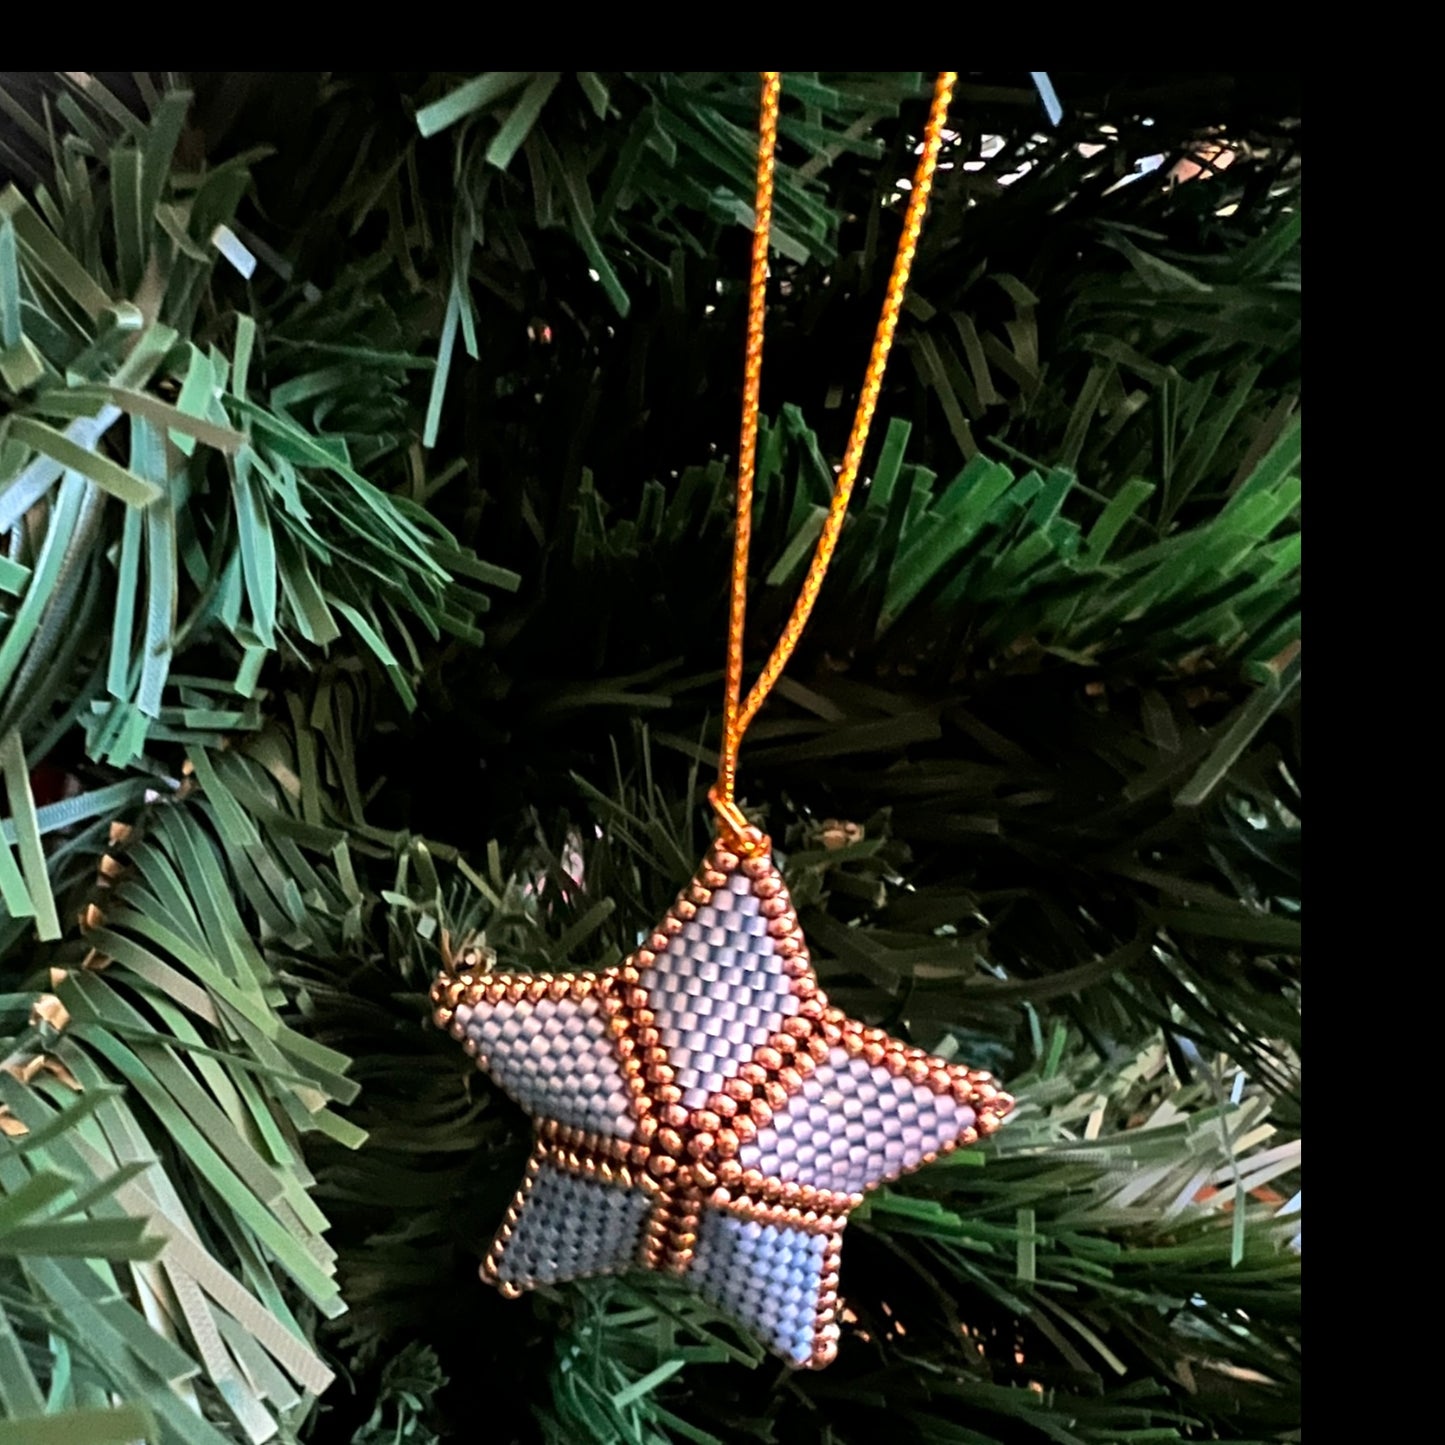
[702,1110]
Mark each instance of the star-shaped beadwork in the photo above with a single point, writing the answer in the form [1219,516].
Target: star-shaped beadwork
[702,1110]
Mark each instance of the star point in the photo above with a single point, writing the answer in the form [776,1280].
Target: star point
[703,1110]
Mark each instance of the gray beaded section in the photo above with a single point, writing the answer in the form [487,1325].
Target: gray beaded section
[570,1227]
[556,1059]
[718,991]
[767,1277]
[852,1125]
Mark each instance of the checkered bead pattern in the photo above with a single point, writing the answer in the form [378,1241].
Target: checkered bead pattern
[556,1058]
[718,991]
[573,1227]
[853,1124]
[767,1277]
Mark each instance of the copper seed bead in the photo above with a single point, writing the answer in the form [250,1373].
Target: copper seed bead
[667,1094]
[739,1089]
[800,1025]
[918,1071]
[646,1035]
[768,888]
[757,868]
[729,1171]
[699,1144]
[939,1080]
[662,1165]
[726,1142]
[724,861]
[790,1079]
[762,1113]
[658,942]
[704,1175]
[753,1073]
[635,998]
[895,1063]
[674,1115]
[771,907]
[685,910]
[818,1047]
[705,1121]
[669,1141]
[723,1105]
[776,1095]
[752,1180]
[768,1058]
[745,1128]
[720,1197]
[713,879]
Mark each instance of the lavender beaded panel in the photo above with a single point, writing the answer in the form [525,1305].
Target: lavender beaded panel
[555,1058]
[854,1124]
[766,1276]
[718,991]
[572,1227]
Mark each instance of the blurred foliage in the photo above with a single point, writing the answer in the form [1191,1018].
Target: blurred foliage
[364,458]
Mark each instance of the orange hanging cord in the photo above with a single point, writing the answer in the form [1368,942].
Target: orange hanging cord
[738,711]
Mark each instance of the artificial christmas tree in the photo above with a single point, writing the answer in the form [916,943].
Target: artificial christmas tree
[365,468]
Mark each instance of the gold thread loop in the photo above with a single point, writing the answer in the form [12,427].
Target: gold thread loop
[738,713]
[742,837]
